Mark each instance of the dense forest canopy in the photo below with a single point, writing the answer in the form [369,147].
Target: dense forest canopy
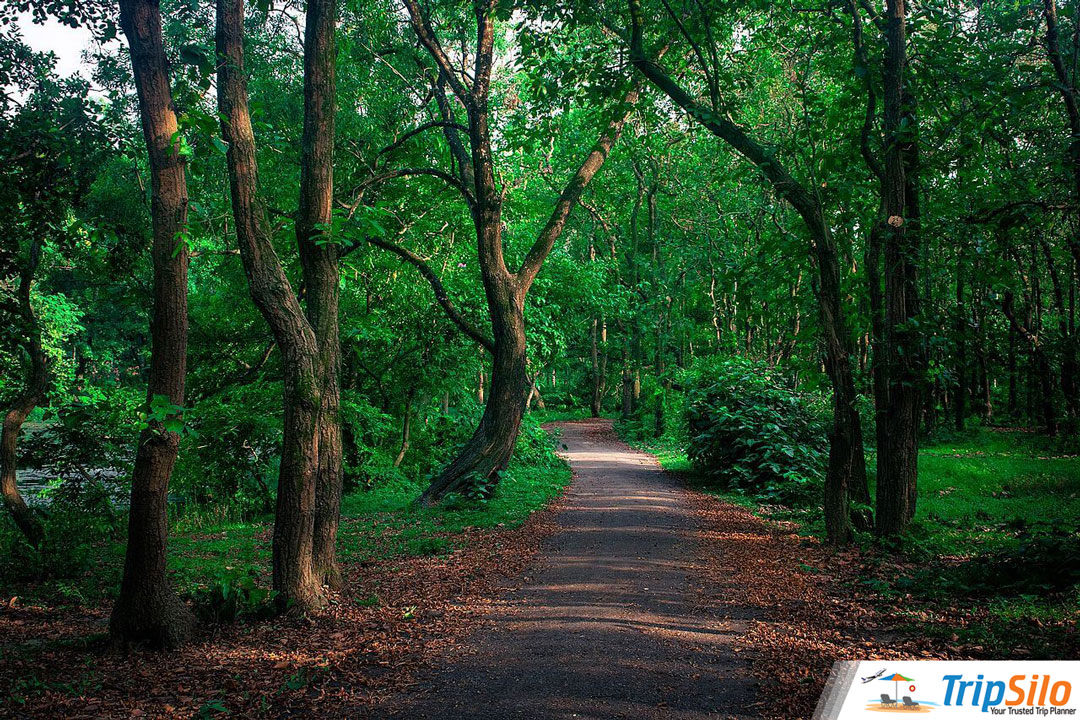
[258,257]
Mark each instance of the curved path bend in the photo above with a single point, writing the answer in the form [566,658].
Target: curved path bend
[609,624]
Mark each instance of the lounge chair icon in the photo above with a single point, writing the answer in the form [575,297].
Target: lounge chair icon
[909,704]
[887,701]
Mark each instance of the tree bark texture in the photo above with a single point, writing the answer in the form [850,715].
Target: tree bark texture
[147,610]
[294,577]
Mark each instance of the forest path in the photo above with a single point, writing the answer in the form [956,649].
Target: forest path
[609,623]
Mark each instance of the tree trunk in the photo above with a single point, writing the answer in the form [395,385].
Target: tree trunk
[627,405]
[979,316]
[406,426]
[21,407]
[491,446]
[294,577]
[599,371]
[1042,365]
[1012,402]
[846,475]
[878,367]
[1069,386]
[147,609]
[898,457]
[960,401]
[847,467]
[319,261]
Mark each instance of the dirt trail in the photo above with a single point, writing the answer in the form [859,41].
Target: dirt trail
[609,623]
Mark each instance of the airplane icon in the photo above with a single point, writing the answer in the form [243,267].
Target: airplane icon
[875,676]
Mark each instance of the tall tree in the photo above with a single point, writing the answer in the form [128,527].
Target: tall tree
[319,261]
[898,455]
[1066,85]
[147,608]
[308,342]
[489,449]
[847,466]
[50,139]
[20,408]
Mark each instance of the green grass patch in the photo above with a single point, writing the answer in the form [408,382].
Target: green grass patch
[384,523]
[972,500]
[560,414]
[207,557]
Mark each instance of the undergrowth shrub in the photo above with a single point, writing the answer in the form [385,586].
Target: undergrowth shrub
[1045,559]
[749,430]
[642,426]
[534,445]
[246,419]
[233,596]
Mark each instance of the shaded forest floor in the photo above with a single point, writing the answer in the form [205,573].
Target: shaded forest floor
[418,581]
[414,580]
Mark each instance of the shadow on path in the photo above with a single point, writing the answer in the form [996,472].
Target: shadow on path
[608,624]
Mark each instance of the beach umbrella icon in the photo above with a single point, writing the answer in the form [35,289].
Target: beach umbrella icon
[896,679]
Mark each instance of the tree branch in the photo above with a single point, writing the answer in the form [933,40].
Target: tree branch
[571,194]
[731,133]
[862,60]
[458,82]
[453,137]
[417,130]
[409,172]
[440,291]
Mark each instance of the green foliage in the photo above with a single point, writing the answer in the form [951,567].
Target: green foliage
[1043,558]
[683,255]
[246,419]
[81,562]
[749,431]
[234,595]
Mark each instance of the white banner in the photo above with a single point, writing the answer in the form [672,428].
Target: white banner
[952,689]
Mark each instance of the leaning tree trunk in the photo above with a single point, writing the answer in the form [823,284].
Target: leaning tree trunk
[147,609]
[847,467]
[846,474]
[20,408]
[492,445]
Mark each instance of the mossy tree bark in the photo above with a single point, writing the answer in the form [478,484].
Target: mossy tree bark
[308,498]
